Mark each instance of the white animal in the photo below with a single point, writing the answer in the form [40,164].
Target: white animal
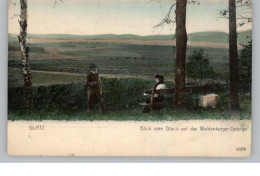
[209,100]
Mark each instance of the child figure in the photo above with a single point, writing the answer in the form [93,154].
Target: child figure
[94,89]
[156,98]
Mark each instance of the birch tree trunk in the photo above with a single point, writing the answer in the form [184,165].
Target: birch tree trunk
[233,56]
[24,53]
[181,46]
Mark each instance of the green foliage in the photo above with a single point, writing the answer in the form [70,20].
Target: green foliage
[245,68]
[121,98]
[198,66]
[117,93]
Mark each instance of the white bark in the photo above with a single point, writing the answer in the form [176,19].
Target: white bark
[24,53]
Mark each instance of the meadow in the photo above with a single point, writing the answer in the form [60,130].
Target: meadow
[127,70]
[142,61]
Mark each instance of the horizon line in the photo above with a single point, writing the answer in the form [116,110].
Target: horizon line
[123,34]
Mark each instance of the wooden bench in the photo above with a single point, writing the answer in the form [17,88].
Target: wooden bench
[204,89]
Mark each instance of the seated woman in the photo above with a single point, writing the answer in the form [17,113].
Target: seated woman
[156,98]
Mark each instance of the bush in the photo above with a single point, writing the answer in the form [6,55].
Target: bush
[121,98]
[117,93]
[245,68]
[198,67]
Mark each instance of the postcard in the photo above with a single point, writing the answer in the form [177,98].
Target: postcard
[167,78]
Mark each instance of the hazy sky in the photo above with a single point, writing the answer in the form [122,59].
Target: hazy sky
[86,17]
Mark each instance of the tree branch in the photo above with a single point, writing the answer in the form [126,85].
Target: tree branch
[242,4]
[167,19]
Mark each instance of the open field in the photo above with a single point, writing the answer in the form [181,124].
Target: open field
[126,64]
[123,60]
[136,42]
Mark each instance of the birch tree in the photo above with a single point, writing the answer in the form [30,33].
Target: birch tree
[25,55]
[23,22]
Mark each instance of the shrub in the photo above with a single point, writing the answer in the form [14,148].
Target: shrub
[198,67]
[117,93]
[245,68]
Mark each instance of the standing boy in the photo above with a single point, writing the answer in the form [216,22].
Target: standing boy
[94,89]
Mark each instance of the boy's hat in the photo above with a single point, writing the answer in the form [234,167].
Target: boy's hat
[92,65]
[161,77]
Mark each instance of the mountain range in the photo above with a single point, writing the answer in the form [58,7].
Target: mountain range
[210,36]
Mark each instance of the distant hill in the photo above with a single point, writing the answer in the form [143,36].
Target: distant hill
[215,37]
[244,37]
[102,37]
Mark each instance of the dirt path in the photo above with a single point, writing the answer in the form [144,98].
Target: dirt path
[82,74]
[58,73]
